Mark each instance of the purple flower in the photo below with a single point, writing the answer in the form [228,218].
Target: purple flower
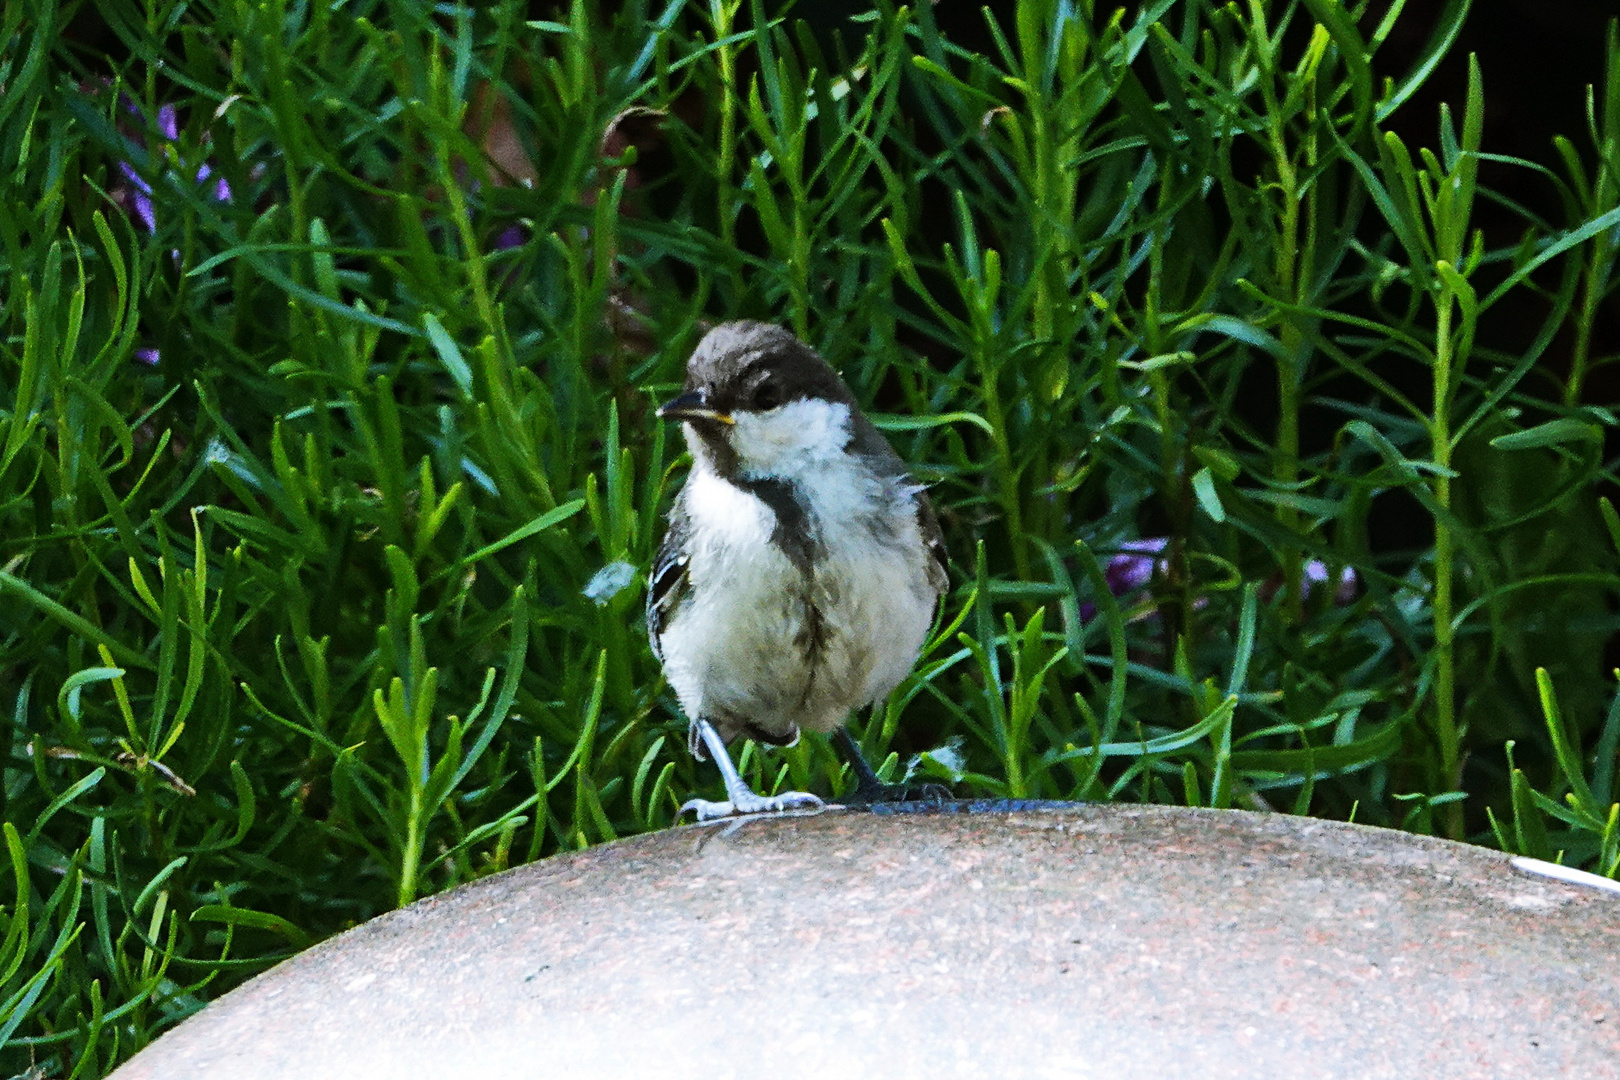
[1316,573]
[222,190]
[139,196]
[510,237]
[1134,566]
[1131,569]
[1139,560]
[136,193]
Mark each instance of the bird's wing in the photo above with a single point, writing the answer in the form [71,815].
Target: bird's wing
[667,584]
[939,564]
[869,443]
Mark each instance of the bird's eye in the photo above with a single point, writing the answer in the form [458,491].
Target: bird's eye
[767,395]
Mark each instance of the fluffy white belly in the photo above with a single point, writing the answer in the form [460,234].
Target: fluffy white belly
[873,588]
[764,648]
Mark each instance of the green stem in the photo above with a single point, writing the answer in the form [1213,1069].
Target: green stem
[1286,470]
[472,254]
[413,848]
[1015,765]
[802,245]
[1006,475]
[1445,689]
[722,14]
[1591,298]
[1042,314]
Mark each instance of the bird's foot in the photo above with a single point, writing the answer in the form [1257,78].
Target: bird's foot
[744,803]
[869,789]
[868,792]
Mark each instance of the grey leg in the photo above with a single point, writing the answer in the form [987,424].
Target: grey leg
[741,798]
[869,789]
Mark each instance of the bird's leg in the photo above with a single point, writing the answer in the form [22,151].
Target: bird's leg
[869,789]
[741,799]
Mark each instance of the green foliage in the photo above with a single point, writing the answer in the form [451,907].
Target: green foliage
[324,511]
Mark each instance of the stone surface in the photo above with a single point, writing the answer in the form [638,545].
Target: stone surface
[1119,942]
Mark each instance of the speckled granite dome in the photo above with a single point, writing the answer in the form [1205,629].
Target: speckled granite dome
[1119,942]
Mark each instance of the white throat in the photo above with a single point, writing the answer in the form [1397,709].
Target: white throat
[792,440]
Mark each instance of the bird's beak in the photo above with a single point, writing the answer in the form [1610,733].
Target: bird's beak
[693,406]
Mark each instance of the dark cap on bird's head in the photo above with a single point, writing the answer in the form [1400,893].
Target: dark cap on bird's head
[751,366]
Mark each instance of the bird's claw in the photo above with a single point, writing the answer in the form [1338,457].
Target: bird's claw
[785,803]
[867,794]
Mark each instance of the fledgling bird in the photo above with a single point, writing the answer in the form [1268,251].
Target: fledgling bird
[802,566]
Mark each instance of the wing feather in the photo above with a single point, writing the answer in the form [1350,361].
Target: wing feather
[668,585]
[939,561]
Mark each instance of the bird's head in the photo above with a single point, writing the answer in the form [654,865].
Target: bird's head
[760,402]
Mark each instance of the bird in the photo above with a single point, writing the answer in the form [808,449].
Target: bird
[801,568]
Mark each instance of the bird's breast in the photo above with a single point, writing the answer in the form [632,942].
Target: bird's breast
[783,640]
